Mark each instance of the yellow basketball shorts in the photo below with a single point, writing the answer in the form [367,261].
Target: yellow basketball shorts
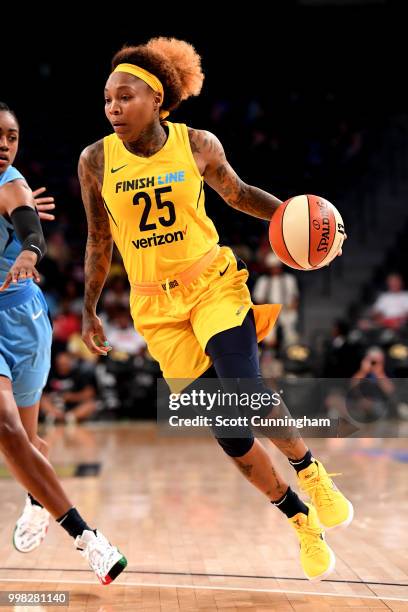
[177,324]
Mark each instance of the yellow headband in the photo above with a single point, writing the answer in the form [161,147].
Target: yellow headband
[147,77]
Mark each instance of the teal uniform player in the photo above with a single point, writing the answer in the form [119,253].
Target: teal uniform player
[25,328]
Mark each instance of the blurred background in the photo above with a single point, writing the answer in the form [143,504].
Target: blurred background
[306,97]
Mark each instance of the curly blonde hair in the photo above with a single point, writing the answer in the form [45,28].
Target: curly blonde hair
[174,62]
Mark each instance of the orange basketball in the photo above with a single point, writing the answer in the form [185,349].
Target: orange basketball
[306,232]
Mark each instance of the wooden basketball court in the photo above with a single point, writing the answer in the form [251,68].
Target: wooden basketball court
[197,536]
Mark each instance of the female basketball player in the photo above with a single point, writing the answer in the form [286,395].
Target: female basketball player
[142,187]
[25,346]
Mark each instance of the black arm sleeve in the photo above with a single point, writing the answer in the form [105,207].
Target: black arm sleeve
[29,231]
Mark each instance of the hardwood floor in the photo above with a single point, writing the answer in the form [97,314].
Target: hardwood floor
[197,536]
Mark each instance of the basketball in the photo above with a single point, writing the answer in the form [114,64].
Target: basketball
[306,232]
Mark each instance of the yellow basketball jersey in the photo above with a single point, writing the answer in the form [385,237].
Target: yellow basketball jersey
[156,207]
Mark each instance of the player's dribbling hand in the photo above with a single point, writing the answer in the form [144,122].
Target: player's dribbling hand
[340,253]
[341,250]
[94,336]
[43,204]
[22,269]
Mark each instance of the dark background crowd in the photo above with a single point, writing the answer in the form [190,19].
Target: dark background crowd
[308,100]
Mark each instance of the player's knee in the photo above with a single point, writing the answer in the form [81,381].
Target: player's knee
[11,435]
[236,447]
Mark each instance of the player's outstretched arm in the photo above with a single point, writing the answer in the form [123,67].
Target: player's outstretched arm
[16,201]
[219,174]
[99,244]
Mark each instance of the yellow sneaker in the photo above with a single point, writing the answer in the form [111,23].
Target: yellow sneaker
[316,557]
[333,509]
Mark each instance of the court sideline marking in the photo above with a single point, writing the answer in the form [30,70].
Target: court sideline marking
[209,588]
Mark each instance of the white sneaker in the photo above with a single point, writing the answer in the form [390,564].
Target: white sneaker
[104,559]
[31,527]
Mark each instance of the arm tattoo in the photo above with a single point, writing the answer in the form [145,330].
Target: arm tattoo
[246,198]
[99,243]
[224,180]
[202,141]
